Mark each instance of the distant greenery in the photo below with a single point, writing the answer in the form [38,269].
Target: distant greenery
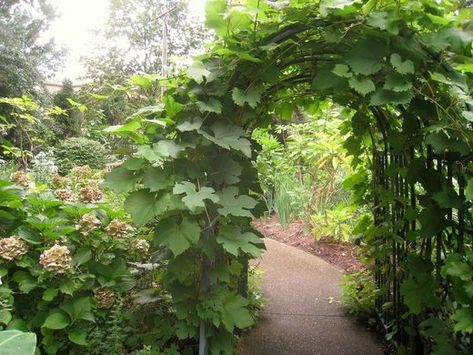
[78,152]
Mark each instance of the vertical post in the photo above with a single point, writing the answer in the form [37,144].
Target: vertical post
[205,287]
[164,49]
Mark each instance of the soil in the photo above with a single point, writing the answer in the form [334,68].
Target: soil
[343,255]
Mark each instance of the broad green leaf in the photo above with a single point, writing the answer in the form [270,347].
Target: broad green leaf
[5,316]
[141,205]
[235,314]
[198,72]
[342,70]
[464,320]
[144,81]
[236,243]
[386,21]
[229,137]
[402,67]
[121,179]
[194,199]
[234,204]
[49,294]
[362,85]
[448,198]
[168,148]
[212,105]
[171,106]
[157,179]
[189,124]
[14,342]
[397,82]
[366,57]
[251,96]
[78,336]
[326,79]
[79,309]
[456,266]
[227,171]
[57,319]
[177,236]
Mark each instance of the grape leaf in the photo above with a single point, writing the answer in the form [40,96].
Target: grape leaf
[402,67]
[235,206]
[177,237]
[229,137]
[342,70]
[156,179]
[194,199]
[464,320]
[227,171]
[366,57]
[235,313]
[212,105]
[189,124]
[198,72]
[121,179]
[386,21]
[362,86]
[397,83]
[251,96]
[235,242]
[382,97]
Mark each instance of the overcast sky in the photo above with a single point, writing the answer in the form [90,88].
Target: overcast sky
[74,26]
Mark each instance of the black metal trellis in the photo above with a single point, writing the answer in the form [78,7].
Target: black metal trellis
[391,217]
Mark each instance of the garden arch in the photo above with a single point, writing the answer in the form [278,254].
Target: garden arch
[391,63]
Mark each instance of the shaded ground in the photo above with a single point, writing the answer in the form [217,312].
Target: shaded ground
[303,315]
[343,255]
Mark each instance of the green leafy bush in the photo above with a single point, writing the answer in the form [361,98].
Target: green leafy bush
[334,224]
[359,292]
[63,266]
[79,152]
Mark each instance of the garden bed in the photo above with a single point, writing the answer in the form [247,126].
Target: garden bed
[342,255]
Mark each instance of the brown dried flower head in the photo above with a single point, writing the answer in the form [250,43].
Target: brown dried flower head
[20,177]
[90,194]
[56,259]
[65,194]
[88,223]
[117,228]
[12,248]
[105,297]
[140,246]
[60,181]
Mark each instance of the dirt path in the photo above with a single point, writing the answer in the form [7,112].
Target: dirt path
[303,315]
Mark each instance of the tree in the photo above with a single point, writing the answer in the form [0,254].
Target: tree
[133,38]
[65,124]
[25,61]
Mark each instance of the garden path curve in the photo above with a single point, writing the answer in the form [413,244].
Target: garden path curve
[303,315]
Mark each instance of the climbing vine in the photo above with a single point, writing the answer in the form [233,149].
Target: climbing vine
[403,67]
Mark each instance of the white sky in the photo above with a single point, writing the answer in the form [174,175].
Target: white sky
[73,30]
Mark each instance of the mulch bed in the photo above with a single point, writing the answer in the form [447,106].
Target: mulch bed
[342,255]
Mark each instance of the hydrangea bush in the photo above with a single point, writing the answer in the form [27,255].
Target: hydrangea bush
[63,265]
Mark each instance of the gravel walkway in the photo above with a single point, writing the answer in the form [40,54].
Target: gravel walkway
[303,315]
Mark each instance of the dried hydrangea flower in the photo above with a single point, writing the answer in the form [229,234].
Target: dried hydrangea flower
[140,245]
[117,228]
[88,223]
[60,181]
[56,259]
[105,297]
[12,248]
[90,194]
[65,194]
[20,177]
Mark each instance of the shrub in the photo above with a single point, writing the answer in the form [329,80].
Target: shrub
[74,152]
[64,267]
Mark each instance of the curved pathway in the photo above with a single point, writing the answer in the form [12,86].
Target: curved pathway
[303,315]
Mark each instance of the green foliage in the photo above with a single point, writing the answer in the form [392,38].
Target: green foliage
[337,223]
[79,152]
[16,342]
[359,292]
